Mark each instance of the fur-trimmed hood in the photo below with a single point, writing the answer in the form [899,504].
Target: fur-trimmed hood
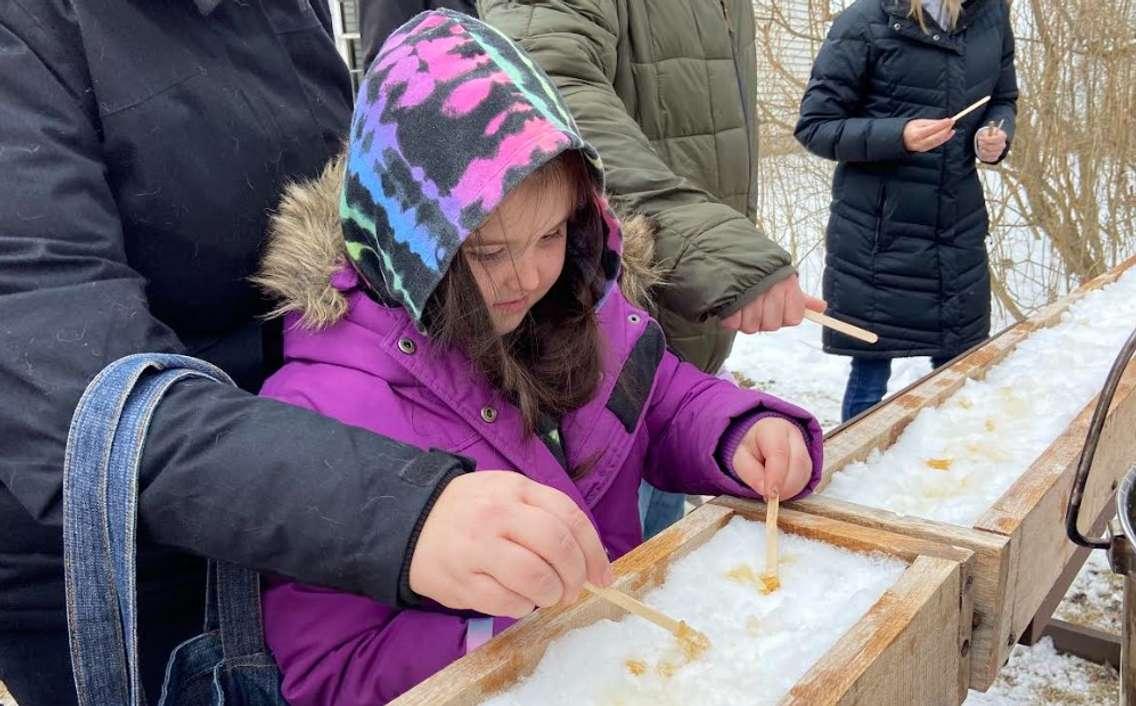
[306,248]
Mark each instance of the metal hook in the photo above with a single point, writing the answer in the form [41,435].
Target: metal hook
[1073,512]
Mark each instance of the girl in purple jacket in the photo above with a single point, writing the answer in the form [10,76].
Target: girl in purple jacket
[455,283]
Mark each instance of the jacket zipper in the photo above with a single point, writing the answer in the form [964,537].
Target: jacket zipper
[749,125]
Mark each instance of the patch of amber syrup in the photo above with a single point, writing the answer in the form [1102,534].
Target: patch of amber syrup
[769,584]
[691,642]
[939,464]
[637,667]
[989,425]
[744,574]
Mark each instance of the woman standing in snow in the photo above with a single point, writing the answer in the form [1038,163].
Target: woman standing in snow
[906,236]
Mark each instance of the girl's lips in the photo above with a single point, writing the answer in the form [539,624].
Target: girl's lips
[511,306]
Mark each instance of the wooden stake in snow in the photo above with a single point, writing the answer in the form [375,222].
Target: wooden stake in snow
[973,106]
[838,325]
[771,579]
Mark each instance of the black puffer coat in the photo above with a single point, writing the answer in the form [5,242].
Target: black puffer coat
[906,237]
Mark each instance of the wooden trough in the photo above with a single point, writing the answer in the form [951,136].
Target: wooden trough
[909,648]
[1019,542]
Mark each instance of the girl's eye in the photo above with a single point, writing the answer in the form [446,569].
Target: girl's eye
[554,235]
[488,255]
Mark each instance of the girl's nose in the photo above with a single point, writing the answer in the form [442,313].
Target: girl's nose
[528,274]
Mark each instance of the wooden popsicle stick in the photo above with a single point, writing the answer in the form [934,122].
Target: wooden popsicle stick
[632,605]
[772,570]
[973,106]
[993,125]
[842,327]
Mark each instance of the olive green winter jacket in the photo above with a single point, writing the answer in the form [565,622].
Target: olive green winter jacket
[666,90]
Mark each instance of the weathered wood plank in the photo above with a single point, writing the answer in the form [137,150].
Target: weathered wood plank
[874,661]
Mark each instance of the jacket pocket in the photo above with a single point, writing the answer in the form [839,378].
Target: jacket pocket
[878,233]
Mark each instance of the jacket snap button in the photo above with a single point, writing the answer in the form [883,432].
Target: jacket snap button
[407,346]
[936,37]
[634,318]
[897,26]
[489,414]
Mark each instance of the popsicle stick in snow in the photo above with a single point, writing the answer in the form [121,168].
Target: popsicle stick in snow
[771,580]
[681,630]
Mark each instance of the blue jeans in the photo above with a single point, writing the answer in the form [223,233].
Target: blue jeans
[868,382]
[228,664]
[658,509]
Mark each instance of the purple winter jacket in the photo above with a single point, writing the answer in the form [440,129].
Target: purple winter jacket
[367,364]
[342,649]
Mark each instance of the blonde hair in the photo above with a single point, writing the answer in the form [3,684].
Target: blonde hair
[954,11]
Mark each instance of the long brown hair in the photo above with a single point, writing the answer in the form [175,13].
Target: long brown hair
[954,11]
[550,364]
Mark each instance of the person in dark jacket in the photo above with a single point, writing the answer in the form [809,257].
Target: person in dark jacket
[906,236]
[378,18]
[142,146]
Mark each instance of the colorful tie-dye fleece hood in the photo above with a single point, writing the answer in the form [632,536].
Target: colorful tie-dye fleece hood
[450,117]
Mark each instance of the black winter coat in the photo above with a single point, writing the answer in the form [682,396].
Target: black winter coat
[906,236]
[142,145]
[379,18]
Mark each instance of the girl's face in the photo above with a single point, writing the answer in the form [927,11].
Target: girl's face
[518,253]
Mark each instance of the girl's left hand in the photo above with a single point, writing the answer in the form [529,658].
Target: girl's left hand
[773,457]
[990,143]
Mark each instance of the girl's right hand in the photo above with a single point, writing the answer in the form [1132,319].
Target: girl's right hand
[501,544]
[924,135]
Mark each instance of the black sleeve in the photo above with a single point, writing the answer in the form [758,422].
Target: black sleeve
[323,12]
[829,125]
[1003,107]
[225,474]
[378,18]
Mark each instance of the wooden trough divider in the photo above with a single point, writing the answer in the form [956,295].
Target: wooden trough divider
[909,648]
[1019,543]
